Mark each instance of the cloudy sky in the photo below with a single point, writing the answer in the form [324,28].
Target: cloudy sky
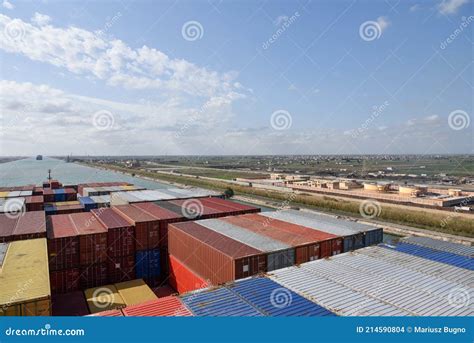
[239,77]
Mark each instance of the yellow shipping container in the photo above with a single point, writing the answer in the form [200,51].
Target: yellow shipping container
[3,194]
[65,203]
[135,292]
[24,278]
[103,298]
[128,188]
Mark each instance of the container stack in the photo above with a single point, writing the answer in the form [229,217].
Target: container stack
[34,203]
[28,225]
[24,278]
[120,245]
[69,304]
[87,203]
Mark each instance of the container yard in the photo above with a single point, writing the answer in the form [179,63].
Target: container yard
[214,257]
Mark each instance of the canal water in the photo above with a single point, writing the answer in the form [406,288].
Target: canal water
[30,171]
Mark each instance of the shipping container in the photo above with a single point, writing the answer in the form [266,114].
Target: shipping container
[148,264]
[278,254]
[120,233]
[34,203]
[24,278]
[309,244]
[235,205]
[121,268]
[7,226]
[460,261]
[454,248]
[48,195]
[355,235]
[63,243]
[15,206]
[70,194]
[103,298]
[59,194]
[92,238]
[93,275]
[374,282]
[147,227]
[273,300]
[88,203]
[64,281]
[69,209]
[69,304]
[110,313]
[182,279]
[135,292]
[220,302]
[213,256]
[163,307]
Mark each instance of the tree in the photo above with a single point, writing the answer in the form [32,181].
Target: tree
[229,192]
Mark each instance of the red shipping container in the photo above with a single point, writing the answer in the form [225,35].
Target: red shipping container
[93,275]
[109,313]
[121,268]
[92,238]
[30,225]
[69,304]
[71,194]
[37,191]
[238,207]
[120,234]
[147,227]
[7,226]
[183,279]
[63,281]
[48,195]
[164,307]
[212,255]
[69,209]
[63,243]
[34,203]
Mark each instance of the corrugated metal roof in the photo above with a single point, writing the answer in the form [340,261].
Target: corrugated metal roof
[435,244]
[109,218]
[219,302]
[382,286]
[135,292]
[435,255]
[272,299]
[25,265]
[297,217]
[157,211]
[166,306]
[245,236]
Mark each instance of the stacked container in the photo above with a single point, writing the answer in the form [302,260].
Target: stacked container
[69,304]
[24,278]
[28,225]
[169,306]
[88,203]
[34,203]
[120,245]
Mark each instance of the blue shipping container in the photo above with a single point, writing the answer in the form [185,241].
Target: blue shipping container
[88,203]
[435,255]
[219,302]
[274,300]
[49,209]
[59,195]
[147,264]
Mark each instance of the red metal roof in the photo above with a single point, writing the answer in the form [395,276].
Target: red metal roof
[167,306]
[157,211]
[191,203]
[30,222]
[109,313]
[226,245]
[59,226]
[67,225]
[86,223]
[7,225]
[34,199]
[133,214]
[109,218]
[230,203]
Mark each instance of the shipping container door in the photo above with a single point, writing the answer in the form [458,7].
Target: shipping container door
[280,259]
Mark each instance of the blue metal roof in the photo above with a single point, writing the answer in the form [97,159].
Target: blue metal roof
[59,191]
[218,302]
[435,255]
[274,300]
[85,200]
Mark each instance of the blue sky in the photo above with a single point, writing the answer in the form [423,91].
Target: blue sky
[271,77]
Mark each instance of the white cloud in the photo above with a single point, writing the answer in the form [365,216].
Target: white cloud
[415,7]
[41,19]
[86,53]
[450,6]
[8,5]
